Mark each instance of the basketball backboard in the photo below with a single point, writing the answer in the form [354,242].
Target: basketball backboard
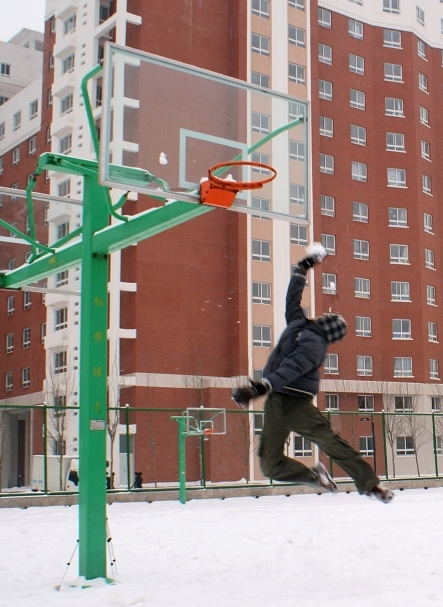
[203,420]
[165,123]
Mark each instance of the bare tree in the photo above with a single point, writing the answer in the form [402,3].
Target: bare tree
[413,424]
[113,421]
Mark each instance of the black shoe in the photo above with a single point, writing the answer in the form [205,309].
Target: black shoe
[381,494]
[323,478]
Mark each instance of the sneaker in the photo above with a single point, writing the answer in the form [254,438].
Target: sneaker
[323,478]
[381,494]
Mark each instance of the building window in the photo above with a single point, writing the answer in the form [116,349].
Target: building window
[297,150]
[15,156]
[435,403]
[365,402]
[360,212]
[357,99]
[61,278]
[262,204]
[332,402]
[325,90]
[263,159]
[364,365]
[424,115]
[326,127]
[299,235]
[300,4]
[297,73]
[393,106]
[401,328]
[433,369]
[5,69]
[396,178]
[8,381]
[363,326]
[361,249]
[405,445]
[393,72]
[65,144]
[391,6]
[327,205]
[261,250]
[302,447]
[9,343]
[10,305]
[328,241]
[62,229]
[421,49]
[400,291]
[33,109]
[358,135]
[420,14]
[431,298]
[403,366]
[429,259]
[61,319]
[16,121]
[51,62]
[355,29]
[428,223]
[260,123]
[392,38]
[260,44]
[296,110]
[69,25]
[331,364]
[32,146]
[261,336]
[403,404]
[26,377]
[398,217]
[66,104]
[356,64]
[261,293]
[362,288]
[27,300]
[425,149]
[426,184]
[395,142]
[27,338]
[399,253]
[2,130]
[68,64]
[329,284]
[324,18]
[60,362]
[422,82]
[366,446]
[260,79]
[297,193]
[325,53]
[258,419]
[432,332]
[359,171]
[64,188]
[296,36]
[326,164]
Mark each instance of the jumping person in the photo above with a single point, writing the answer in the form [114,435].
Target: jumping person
[291,380]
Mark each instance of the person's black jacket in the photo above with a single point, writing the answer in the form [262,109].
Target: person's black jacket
[293,366]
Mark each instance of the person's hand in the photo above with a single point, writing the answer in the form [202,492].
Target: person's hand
[244,394]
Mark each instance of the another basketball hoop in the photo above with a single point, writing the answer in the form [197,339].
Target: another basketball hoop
[219,192]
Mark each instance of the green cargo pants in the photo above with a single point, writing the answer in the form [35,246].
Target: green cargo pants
[285,413]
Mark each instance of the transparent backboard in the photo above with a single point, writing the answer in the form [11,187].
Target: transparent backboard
[203,420]
[164,124]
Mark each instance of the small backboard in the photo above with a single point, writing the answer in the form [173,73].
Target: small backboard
[203,421]
[165,123]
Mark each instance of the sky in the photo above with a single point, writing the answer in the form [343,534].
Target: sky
[341,550]
[17,14]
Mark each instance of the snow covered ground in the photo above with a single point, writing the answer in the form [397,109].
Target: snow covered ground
[305,550]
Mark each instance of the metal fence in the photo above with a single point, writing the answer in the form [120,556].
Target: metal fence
[147,450]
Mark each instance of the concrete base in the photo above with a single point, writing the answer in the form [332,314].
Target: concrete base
[141,495]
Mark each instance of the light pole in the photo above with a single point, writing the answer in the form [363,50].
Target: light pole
[371,419]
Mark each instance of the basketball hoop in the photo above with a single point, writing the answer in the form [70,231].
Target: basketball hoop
[220,192]
[208,431]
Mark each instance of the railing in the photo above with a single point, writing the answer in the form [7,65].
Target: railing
[38,449]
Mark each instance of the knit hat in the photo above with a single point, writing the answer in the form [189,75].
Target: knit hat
[334,327]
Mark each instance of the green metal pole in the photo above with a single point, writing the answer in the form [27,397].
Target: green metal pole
[385,451]
[93,389]
[182,458]
[45,447]
[128,460]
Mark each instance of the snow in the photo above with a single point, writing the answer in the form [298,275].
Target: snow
[340,550]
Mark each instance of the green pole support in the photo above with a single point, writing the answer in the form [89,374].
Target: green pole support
[385,451]
[203,461]
[434,440]
[45,448]
[93,388]
[128,460]
[181,456]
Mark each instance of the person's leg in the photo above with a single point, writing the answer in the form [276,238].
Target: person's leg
[310,423]
[276,428]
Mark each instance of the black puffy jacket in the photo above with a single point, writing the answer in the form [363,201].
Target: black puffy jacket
[293,365]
